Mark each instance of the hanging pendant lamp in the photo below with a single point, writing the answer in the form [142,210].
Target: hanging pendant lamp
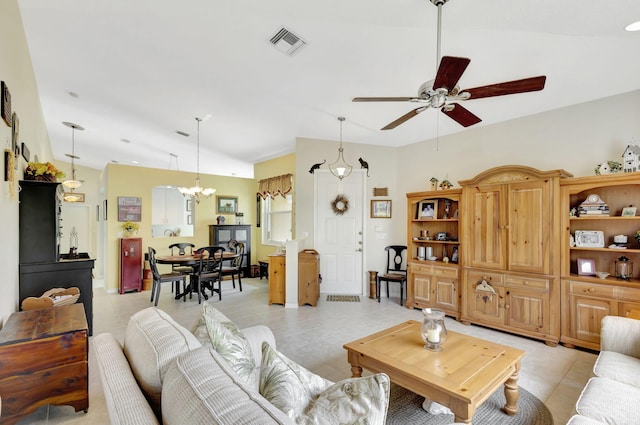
[73,183]
[340,168]
[197,192]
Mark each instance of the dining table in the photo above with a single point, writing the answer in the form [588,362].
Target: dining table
[190,260]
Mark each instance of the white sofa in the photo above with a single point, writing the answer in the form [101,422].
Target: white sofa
[612,396]
[164,373]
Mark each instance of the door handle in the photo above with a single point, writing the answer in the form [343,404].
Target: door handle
[359,250]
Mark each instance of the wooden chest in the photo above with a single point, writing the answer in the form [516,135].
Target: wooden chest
[44,360]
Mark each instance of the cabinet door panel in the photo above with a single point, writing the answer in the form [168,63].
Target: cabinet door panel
[485,235]
[529,226]
[446,293]
[527,310]
[587,314]
[486,307]
[422,288]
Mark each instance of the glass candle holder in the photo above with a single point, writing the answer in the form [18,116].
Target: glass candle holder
[624,268]
[433,331]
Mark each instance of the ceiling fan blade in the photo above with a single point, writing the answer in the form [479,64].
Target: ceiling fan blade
[403,118]
[510,87]
[382,99]
[449,72]
[462,116]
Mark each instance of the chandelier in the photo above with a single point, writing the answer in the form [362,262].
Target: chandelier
[340,168]
[72,183]
[196,192]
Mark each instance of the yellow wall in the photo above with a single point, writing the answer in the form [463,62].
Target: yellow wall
[124,180]
[16,71]
[271,168]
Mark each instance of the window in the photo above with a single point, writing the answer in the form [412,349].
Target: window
[276,218]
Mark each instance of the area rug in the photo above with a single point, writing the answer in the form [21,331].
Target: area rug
[405,407]
[346,298]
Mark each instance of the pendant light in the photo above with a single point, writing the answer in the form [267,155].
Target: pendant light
[73,183]
[196,192]
[340,168]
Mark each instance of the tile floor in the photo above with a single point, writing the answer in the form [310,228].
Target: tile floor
[313,336]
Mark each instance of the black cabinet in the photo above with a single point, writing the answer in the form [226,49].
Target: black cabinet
[221,234]
[39,224]
[37,278]
[39,240]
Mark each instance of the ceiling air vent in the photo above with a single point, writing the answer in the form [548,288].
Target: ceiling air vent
[287,42]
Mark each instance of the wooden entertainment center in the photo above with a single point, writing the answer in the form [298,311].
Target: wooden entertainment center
[514,267]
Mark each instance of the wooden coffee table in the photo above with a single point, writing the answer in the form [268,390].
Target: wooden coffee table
[461,376]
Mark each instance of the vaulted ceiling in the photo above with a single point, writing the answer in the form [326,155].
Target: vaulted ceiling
[133,72]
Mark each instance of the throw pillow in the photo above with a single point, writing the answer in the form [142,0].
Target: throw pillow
[229,342]
[310,399]
[350,401]
[287,385]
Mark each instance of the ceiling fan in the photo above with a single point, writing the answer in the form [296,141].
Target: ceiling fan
[444,93]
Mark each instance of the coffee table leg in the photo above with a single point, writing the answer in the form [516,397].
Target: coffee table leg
[511,392]
[356,371]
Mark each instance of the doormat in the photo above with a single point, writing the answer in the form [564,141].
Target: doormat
[346,298]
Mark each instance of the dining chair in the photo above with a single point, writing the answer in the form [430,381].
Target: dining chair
[181,248]
[396,270]
[159,278]
[209,271]
[236,266]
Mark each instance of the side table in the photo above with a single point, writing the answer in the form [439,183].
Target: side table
[44,356]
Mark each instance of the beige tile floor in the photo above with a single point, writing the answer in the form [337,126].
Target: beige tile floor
[314,336]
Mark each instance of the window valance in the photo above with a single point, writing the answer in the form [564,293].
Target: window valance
[273,186]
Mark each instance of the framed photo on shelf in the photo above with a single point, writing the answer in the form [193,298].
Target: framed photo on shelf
[589,238]
[381,208]
[586,267]
[226,204]
[427,210]
[454,255]
[629,212]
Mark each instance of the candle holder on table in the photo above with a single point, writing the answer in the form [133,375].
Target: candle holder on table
[433,331]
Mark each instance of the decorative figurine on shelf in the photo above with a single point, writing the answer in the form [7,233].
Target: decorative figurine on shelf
[315,167]
[434,183]
[631,159]
[447,208]
[608,167]
[446,184]
[220,219]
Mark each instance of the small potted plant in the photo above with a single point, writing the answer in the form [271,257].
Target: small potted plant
[42,171]
[130,228]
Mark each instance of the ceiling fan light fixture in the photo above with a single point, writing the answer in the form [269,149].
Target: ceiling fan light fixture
[197,192]
[340,168]
[72,183]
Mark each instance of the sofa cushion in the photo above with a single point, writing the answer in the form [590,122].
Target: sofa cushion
[151,343]
[205,390]
[229,342]
[609,401]
[310,399]
[619,367]
[125,402]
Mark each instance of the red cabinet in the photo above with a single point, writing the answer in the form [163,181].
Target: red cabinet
[130,264]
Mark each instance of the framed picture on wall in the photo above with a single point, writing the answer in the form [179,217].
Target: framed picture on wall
[129,208]
[381,208]
[226,204]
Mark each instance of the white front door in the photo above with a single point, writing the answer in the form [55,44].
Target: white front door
[339,237]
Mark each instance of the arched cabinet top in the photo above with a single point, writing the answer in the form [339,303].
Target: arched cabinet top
[512,173]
